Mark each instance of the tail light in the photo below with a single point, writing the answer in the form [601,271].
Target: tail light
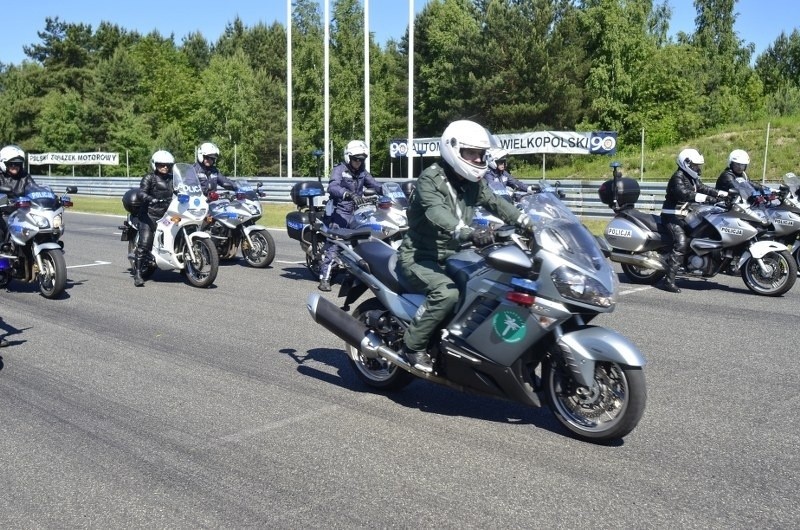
[523,299]
[213,196]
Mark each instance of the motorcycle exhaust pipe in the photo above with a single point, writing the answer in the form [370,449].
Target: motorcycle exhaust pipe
[353,332]
[640,261]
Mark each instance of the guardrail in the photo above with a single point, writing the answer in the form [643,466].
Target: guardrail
[581,195]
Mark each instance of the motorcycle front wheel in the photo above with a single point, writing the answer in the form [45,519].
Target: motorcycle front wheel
[376,373]
[262,252]
[777,276]
[641,275]
[203,271]
[608,411]
[53,276]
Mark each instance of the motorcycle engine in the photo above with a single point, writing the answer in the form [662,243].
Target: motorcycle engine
[706,265]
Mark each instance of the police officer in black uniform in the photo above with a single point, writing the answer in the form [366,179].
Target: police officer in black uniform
[12,175]
[683,187]
[206,169]
[156,191]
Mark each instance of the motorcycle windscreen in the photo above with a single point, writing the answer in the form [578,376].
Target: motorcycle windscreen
[42,196]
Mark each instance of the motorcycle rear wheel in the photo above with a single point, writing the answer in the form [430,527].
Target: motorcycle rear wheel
[608,412]
[53,276]
[641,275]
[261,254]
[784,274]
[376,373]
[203,272]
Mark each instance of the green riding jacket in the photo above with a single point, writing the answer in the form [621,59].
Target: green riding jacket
[440,211]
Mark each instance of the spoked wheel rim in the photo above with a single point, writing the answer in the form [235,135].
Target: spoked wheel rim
[53,275]
[378,370]
[262,252]
[779,276]
[203,271]
[594,410]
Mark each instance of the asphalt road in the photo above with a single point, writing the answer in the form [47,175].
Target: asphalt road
[172,406]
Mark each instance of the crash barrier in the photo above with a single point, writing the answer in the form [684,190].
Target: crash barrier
[581,195]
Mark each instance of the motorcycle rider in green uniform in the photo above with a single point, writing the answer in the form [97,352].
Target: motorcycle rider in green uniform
[439,214]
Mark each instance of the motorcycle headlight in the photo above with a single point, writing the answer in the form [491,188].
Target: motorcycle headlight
[40,221]
[57,221]
[574,285]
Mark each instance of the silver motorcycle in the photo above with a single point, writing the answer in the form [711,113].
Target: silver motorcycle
[725,237]
[521,330]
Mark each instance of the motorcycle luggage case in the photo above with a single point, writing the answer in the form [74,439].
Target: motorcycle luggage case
[295,223]
[303,193]
[132,200]
[627,192]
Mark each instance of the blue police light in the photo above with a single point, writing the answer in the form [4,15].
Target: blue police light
[183,198]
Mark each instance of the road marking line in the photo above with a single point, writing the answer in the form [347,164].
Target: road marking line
[95,264]
[636,290]
[239,436]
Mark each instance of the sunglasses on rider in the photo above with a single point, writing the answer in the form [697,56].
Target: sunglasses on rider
[14,164]
[158,165]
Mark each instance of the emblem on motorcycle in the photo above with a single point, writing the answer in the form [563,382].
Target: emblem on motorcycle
[732,231]
[619,232]
[509,326]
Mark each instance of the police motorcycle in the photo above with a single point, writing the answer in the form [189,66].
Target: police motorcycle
[232,225]
[179,243]
[304,224]
[783,212]
[521,330]
[33,250]
[385,215]
[725,236]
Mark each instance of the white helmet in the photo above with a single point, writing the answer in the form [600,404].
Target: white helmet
[465,134]
[207,149]
[162,157]
[739,156]
[9,153]
[356,149]
[690,160]
[496,155]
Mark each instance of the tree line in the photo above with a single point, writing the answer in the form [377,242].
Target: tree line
[511,65]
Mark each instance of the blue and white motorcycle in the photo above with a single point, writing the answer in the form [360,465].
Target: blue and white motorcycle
[34,250]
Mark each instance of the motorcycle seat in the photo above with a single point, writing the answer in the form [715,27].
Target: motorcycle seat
[648,221]
[346,234]
[382,260]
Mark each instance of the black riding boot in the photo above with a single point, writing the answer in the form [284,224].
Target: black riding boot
[669,279]
[138,262]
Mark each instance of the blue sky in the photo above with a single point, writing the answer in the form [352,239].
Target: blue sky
[759,21]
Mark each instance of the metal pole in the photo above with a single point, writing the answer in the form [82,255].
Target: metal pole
[289,88]
[326,62]
[543,155]
[641,164]
[410,138]
[366,81]
[766,147]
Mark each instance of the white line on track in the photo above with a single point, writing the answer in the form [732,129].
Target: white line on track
[95,264]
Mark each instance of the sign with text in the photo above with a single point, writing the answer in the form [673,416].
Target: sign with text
[548,142]
[74,159]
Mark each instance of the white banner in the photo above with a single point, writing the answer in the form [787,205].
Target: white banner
[549,142]
[74,159]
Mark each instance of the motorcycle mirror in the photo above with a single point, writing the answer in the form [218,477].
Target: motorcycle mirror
[72,189]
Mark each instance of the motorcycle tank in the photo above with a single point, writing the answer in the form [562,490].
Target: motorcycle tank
[784,222]
[624,235]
